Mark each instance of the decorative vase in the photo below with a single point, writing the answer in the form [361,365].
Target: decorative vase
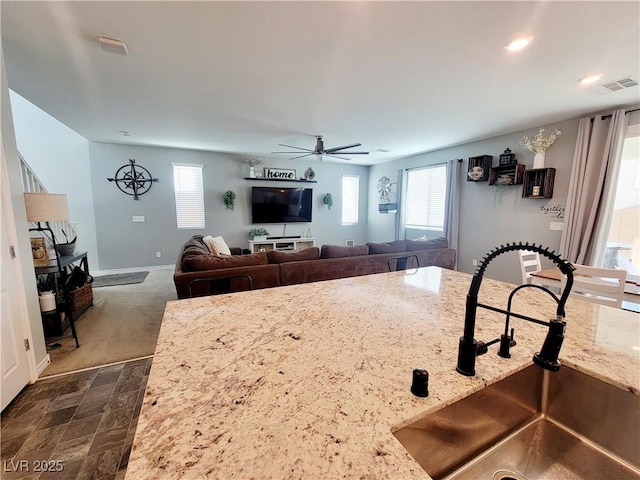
[252,173]
[66,249]
[538,160]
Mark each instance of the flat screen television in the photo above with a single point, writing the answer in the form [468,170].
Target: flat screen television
[281,205]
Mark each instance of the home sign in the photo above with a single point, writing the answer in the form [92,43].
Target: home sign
[279,173]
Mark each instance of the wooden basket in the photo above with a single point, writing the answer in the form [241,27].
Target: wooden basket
[81,297]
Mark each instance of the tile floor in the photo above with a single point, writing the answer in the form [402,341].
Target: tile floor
[78,426]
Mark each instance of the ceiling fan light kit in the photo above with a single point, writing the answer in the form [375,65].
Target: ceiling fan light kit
[319,150]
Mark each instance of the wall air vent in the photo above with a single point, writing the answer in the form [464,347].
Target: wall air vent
[608,87]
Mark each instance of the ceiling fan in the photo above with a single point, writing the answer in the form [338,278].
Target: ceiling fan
[320,151]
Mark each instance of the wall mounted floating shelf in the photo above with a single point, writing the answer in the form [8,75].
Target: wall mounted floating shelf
[280,180]
[514,172]
[538,183]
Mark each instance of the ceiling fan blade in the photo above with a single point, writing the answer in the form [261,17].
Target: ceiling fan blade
[301,156]
[353,153]
[310,151]
[336,156]
[329,150]
[293,146]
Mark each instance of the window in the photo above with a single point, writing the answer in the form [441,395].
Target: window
[622,249]
[350,197]
[426,198]
[187,183]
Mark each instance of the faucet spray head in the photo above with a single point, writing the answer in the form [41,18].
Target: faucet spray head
[547,358]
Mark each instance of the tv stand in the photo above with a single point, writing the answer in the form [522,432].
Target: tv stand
[281,244]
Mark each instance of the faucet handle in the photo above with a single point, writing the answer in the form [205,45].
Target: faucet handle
[506,342]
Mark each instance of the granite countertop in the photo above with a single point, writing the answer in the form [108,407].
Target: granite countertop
[310,381]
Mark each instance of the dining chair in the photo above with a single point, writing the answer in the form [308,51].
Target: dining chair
[529,263]
[598,285]
[401,262]
[218,285]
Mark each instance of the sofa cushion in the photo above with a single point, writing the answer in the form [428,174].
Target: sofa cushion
[387,247]
[338,251]
[275,256]
[194,263]
[216,245]
[414,245]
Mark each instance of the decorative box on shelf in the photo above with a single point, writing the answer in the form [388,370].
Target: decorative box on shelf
[538,183]
[507,175]
[479,167]
[507,158]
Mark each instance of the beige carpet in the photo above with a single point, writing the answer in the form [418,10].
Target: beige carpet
[122,324]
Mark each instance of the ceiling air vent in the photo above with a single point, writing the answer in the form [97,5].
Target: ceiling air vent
[616,85]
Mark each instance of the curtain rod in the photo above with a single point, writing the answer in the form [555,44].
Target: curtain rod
[604,117]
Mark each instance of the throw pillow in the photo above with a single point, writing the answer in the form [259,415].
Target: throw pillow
[312,253]
[338,251]
[414,245]
[217,245]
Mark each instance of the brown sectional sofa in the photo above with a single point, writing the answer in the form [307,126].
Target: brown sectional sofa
[275,268]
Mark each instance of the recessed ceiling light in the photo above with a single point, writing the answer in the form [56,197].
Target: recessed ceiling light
[589,79]
[113,45]
[518,43]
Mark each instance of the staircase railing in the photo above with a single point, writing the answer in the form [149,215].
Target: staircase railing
[63,230]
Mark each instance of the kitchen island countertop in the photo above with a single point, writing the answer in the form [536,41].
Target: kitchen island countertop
[310,381]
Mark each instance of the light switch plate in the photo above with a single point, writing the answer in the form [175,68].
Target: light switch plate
[137,219]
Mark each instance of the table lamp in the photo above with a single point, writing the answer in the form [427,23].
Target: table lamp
[46,207]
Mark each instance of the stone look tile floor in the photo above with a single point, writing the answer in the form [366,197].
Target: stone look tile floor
[78,426]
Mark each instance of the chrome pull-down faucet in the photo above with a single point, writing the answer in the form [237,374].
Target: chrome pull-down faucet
[547,358]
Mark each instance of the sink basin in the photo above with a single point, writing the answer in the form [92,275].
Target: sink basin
[534,424]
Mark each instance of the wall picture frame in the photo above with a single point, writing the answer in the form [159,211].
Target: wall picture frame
[39,252]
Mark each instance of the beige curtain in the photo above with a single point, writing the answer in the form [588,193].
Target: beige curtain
[596,163]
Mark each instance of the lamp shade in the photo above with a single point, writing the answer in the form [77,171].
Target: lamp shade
[46,207]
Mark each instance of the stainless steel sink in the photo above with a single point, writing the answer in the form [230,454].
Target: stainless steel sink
[534,424]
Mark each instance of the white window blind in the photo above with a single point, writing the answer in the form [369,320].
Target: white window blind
[350,197]
[426,198]
[187,183]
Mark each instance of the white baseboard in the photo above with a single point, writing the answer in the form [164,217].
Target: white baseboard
[44,363]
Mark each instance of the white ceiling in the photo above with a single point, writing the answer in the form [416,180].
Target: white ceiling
[243,77]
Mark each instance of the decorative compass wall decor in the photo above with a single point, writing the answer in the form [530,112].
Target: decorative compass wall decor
[133,179]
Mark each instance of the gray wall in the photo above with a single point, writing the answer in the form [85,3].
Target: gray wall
[60,158]
[485,224]
[122,243]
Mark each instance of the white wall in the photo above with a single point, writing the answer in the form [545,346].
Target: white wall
[28,297]
[60,158]
[122,243]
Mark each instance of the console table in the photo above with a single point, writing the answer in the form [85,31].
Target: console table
[282,243]
[58,270]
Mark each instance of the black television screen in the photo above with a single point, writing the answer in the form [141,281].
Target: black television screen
[281,205]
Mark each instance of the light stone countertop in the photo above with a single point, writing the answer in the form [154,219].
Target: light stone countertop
[309,381]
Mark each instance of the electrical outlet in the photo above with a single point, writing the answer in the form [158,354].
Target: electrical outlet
[475,262]
[556,226]
[158,254]
[138,219]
